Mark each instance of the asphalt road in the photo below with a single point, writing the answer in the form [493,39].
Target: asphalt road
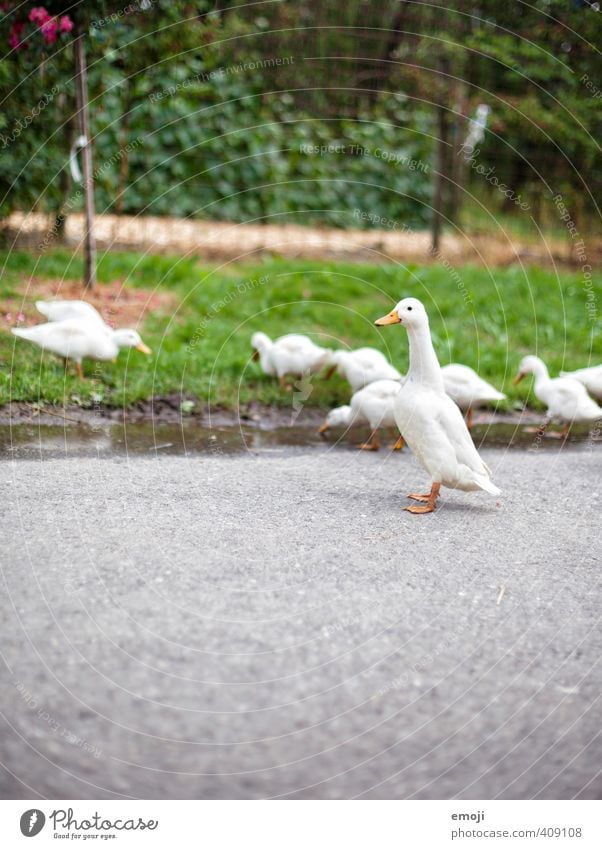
[273,625]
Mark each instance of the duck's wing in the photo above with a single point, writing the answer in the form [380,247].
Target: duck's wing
[295,342]
[56,311]
[464,379]
[566,395]
[452,422]
[390,373]
[368,357]
[383,389]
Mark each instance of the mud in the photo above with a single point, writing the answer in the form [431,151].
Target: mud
[31,432]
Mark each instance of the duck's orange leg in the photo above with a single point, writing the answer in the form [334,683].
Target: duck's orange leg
[399,445]
[373,443]
[563,433]
[430,500]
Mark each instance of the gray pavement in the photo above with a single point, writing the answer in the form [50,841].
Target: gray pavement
[273,625]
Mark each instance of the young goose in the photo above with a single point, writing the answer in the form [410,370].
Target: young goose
[362,367]
[372,405]
[590,377]
[292,354]
[468,390]
[429,421]
[77,340]
[566,399]
[65,310]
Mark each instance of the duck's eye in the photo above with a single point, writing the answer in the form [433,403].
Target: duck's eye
[409,308]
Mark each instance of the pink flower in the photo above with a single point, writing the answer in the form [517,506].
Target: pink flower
[66,24]
[49,31]
[39,15]
[20,316]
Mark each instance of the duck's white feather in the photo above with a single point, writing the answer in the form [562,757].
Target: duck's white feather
[364,366]
[435,431]
[67,310]
[590,377]
[293,354]
[466,388]
[373,405]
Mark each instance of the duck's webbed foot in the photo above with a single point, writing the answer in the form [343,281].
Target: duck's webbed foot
[430,501]
[399,445]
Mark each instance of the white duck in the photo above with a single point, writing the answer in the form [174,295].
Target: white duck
[76,340]
[293,354]
[566,399]
[363,366]
[373,405]
[429,421]
[467,389]
[65,310]
[590,377]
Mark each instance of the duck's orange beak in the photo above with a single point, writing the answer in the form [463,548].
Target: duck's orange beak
[323,428]
[518,378]
[144,349]
[391,318]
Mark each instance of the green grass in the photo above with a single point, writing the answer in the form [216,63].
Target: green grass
[485,318]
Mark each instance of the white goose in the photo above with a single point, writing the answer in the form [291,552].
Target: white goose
[293,354]
[65,310]
[590,377]
[467,389]
[76,340]
[429,421]
[363,366]
[566,399]
[373,405]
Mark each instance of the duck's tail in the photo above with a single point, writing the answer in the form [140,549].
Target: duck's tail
[23,332]
[483,482]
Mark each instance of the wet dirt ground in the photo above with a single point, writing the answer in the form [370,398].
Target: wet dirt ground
[28,432]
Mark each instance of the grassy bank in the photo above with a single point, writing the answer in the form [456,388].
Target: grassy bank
[487,320]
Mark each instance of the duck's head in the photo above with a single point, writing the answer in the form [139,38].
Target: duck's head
[529,365]
[339,417]
[410,312]
[127,338]
[260,343]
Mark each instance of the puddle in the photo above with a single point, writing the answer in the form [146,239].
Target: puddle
[33,441]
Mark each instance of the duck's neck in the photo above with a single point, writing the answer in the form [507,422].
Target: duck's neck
[424,365]
[540,373]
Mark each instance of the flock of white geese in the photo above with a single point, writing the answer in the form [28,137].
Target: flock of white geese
[425,405]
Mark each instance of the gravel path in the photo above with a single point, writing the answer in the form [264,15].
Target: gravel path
[272,624]
[223,240]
